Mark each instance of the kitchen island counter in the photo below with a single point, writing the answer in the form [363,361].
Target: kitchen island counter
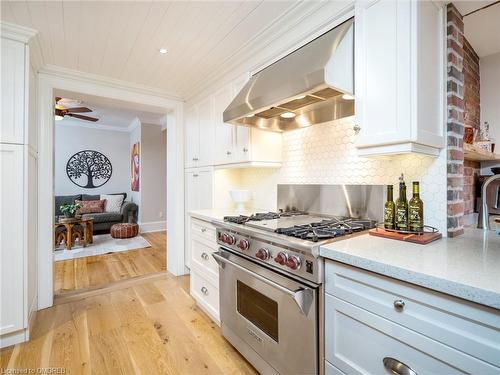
[467,266]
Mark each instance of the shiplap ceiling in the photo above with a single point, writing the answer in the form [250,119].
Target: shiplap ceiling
[112,113]
[121,39]
[482,26]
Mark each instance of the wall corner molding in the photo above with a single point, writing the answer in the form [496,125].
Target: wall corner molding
[17,32]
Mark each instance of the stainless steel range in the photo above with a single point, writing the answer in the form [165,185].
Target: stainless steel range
[271,274]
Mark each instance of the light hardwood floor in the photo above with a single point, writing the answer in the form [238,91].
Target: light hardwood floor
[152,327]
[98,271]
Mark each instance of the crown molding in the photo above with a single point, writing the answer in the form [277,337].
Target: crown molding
[17,32]
[80,124]
[65,73]
[324,15]
[134,124]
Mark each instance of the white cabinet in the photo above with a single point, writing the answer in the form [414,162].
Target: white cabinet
[198,196]
[199,135]
[13,237]
[392,323]
[399,70]
[18,190]
[12,127]
[224,133]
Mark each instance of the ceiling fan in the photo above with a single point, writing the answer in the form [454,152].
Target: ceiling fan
[60,111]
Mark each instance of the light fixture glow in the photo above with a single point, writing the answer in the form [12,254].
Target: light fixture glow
[288,115]
[58,118]
[300,97]
[348,97]
[248,116]
[163,50]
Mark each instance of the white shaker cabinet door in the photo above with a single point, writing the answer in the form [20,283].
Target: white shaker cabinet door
[192,137]
[13,79]
[12,238]
[206,132]
[224,133]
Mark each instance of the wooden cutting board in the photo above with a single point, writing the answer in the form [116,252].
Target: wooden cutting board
[421,239]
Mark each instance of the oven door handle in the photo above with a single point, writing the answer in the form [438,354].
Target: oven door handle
[303,297]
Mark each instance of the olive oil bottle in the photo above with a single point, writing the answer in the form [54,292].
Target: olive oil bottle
[389,209]
[416,210]
[402,206]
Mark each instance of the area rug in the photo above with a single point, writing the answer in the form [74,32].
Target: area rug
[103,244]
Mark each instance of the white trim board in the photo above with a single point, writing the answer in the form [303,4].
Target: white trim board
[53,78]
[152,226]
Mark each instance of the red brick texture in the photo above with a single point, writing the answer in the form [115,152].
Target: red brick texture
[472,107]
[455,121]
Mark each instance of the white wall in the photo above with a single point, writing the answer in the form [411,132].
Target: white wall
[153,173]
[114,145]
[490,100]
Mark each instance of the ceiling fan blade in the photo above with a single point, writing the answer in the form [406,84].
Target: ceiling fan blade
[58,98]
[82,117]
[59,112]
[78,109]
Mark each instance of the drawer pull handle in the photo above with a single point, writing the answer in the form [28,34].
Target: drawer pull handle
[203,230]
[228,153]
[245,149]
[204,290]
[397,367]
[399,304]
[204,256]
[195,159]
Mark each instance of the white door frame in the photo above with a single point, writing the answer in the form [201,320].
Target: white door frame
[55,78]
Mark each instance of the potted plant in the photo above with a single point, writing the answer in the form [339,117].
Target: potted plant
[69,210]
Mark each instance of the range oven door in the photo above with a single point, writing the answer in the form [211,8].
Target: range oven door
[271,319]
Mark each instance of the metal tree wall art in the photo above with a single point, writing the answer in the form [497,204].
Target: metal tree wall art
[89,169]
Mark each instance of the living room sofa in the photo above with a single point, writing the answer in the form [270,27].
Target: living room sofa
[102,221]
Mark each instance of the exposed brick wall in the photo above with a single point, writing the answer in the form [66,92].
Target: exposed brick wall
[472,111]
[455,121]
[472,170]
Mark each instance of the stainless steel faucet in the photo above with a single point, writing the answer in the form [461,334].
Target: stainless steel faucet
[483,218]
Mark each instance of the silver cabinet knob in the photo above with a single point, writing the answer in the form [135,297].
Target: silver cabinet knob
[396,367]
[356,128]
[195,175]
[204,290]
[195,159]
[228,153]
[399,304]
[204,256]
[203,230]
[245,149]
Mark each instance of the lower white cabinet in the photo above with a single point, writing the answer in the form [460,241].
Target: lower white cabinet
[204,285]
[198,196]
[375,324]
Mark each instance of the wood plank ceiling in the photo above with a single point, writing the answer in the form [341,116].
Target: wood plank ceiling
[121,39]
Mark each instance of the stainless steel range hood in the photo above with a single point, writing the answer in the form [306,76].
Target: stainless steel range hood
[304,88]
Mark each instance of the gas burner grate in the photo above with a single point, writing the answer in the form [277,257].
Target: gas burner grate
[260,216]
[327,229]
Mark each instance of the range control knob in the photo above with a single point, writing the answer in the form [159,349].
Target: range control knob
[222,236]
[230,240]
[263,254]
[243,244]
[281,258]
[293,262]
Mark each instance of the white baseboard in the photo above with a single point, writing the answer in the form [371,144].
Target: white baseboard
[152,226]
[14,338]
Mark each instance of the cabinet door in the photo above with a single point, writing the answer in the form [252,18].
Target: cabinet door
[242,133]
[192,136]
[204,186]
[224,133]
[12,238]
[206,133]
[13,64]
[382,71]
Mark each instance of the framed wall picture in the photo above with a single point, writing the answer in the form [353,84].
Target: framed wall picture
[135,164]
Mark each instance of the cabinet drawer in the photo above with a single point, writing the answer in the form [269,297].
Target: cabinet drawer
[201,254]
[357,342]
[471,328]
[203,229]
[205,294]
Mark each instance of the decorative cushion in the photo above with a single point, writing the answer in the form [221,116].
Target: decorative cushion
[113,202]
[90,197]
[105,217]
[124,230]
[90,207]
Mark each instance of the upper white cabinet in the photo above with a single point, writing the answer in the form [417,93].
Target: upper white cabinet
[199,135]
[12,127]
[399,77]
[210,141]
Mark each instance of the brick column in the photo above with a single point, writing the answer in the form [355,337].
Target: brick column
[455,121]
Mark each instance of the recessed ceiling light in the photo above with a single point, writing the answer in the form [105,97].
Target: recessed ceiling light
[300,97]
[163,50]
[348,97]
[287,115]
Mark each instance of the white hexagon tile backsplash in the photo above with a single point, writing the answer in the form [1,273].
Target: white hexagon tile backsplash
[325,154]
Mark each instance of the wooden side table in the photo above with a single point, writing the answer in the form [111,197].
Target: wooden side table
[69,231]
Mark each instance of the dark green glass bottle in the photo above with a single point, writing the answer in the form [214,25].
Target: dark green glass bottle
[416,210]
[402,208]
[389,209]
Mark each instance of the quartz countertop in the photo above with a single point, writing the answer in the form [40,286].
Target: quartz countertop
[467,266]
